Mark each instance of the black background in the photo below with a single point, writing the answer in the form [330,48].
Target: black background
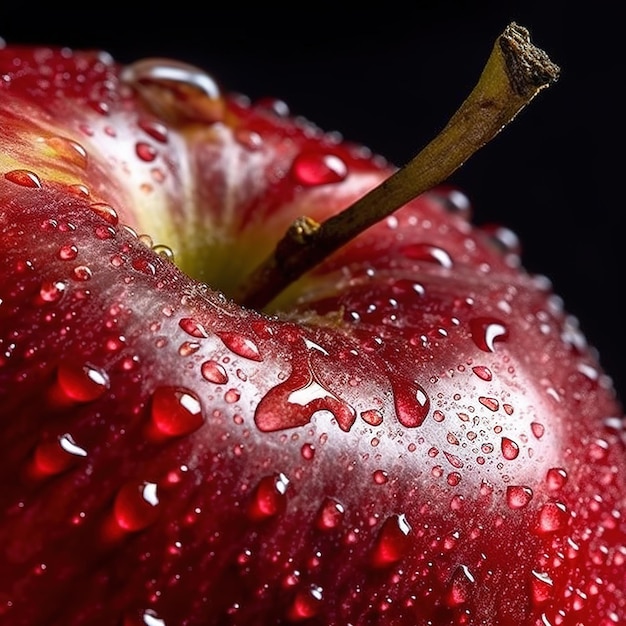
[389,75]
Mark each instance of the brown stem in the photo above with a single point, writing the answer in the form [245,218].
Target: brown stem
[515,72]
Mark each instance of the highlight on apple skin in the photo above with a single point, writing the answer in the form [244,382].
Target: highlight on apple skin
[412,430]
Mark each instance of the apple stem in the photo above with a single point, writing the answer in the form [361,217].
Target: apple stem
[513,75]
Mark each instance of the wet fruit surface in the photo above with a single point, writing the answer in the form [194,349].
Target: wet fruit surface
[418,435]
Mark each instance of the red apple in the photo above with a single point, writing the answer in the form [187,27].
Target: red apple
[413,431]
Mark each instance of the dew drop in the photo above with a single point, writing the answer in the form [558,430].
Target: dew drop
[552,517]
[82,382]
[187,348]
[232,396]
[510,449]
[106,212]
[460,587]
[318,168]
[541,587]
[51,290]
[517,497]
[556,478]
[240,345]
[67,252]
[537,429]
[214,372]
[455,461]
[69,150]
[269,498]
[82,272]
[393,541]
[176,411]
[373,417]
[193,328]
[144,266]
[486,331]
[307,451]
[429,253]
[54,457]
[330,514]
[412,404]
[484,373]
[155,129]
[136,506]
[380,477]
[490,403]
[24,178]
[306,604]
[145,151]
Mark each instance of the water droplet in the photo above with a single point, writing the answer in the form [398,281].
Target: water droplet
[306,604]
[318,168]
[373,417]
[393,541]
[380,477]
[193,328]
[556,477]
[270,497]
[214,372]
[68,149]
[176,411]
[24,178]
[295,401]
[175,90]
[106,212]
[455,461]
[81,382]
[541,587]
[411,403]
[232,396]
[51,290]
[484,373]
[54,457]
[486,331]
[330,514]
[240,345]
[144,266]
[429,253]
[136,506]
[155,129]
[517,497]
[67,252]
[145,151]
[307,451]
[82,272]
[510,449]
[460,587]
[490,403]
[537,429]
[552,517]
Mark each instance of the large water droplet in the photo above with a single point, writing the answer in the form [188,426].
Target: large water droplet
[68,149]
[556,477]
[393,541]
[214,372]
[270,497]
[411,402]
[306,604]
[510,449]
[54,457]
[318,168]
[136,506]
[295,401]
[24,178]
[517,497]
[429,253]
[193,328]
[461,586]
[81,382]
[176,411]
[486,331]
[552,517]
[241,345]
[541,587]
[330,514]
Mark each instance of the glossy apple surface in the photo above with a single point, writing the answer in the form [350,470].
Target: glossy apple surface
[414,433]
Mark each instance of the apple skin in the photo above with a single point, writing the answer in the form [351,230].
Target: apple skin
[415,433]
